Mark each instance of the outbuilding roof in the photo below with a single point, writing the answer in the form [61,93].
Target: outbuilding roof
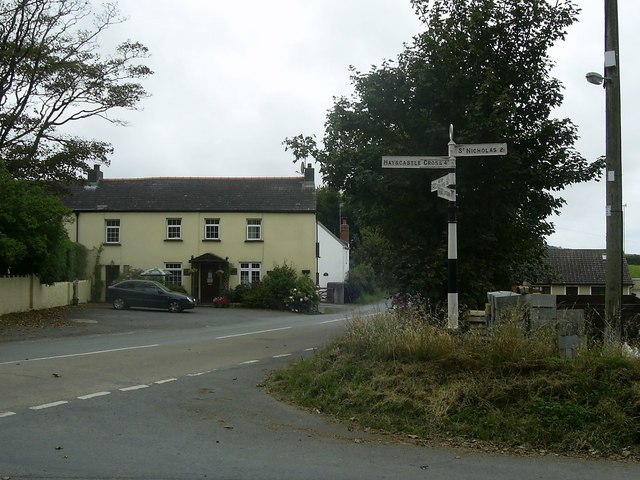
[581,266]
[291,194]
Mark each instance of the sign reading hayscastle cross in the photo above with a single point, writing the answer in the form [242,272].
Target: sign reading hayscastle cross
[418,162]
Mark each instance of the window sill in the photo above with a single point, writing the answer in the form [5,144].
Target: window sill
[111,244]
[211,240]
[172,239]
[254,241]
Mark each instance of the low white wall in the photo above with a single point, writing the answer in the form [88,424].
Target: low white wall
[25,292]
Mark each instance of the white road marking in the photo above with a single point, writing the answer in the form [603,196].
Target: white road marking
[199,373]
[160,382]
[48,405]
[81,354]
[253,333]
[249,362]
[333,321]
[6,414]
[282,355]
[134,387]
[93,395]
[309,349]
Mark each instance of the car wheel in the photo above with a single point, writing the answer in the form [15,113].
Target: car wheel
[119,304]
[174,306]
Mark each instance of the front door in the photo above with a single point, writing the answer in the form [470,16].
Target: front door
[112,272]
[209,282]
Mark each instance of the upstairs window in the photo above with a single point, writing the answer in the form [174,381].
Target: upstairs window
[212,229]
[174,228]
[112,231]
[254,229]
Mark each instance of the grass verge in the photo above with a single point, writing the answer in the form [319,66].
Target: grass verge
[402,373]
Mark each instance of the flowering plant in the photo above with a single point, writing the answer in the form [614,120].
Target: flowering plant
[304,298]
[220,302]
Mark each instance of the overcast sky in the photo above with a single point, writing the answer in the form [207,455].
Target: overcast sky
[233,79]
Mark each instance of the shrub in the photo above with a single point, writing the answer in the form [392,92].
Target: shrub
[238,294]
[255,296]
[362,279]
[277,284]
[282,289]
[303,297]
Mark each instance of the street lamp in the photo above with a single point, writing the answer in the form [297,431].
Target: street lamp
[611,80]
[595,78]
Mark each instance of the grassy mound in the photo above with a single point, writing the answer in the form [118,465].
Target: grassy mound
[402,373]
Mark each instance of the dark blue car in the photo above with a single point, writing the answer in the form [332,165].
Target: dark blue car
[146,293]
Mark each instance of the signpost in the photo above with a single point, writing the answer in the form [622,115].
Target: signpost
[479,149]
[418,162]
[448,179]
[446,193]
[442,187]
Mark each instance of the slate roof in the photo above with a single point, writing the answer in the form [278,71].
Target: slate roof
[194,195]
[581,266]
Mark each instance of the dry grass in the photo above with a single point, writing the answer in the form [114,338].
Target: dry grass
[404,373]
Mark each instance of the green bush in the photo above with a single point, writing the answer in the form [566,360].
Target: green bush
[238,294]
[282,289]
[362,280]
[66,263]
[255,296]
[303,297]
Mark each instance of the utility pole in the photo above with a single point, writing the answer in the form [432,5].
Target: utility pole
[614,225]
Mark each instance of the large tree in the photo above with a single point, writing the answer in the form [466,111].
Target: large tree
[33,238]
[52,74]
[483,66]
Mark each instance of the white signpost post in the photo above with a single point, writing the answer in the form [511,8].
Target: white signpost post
[443,188]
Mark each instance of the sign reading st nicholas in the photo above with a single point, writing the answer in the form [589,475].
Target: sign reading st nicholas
[479,149]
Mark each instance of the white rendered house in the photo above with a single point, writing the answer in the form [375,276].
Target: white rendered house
[333,255]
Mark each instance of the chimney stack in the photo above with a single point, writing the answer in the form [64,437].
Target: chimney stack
[344,231]
[308,173]
[95,175]
[308,183]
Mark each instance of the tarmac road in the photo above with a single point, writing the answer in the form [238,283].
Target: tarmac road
[185,400]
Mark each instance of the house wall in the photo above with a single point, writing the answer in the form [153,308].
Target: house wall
[333,262]
[25,292]
[560,289]
[583,289]
[286,238]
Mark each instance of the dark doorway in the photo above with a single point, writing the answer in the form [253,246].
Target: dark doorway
[210,282]
[112,274]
